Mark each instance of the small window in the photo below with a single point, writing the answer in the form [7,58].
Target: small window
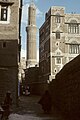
[57,35]
[4,44]
[57,18]
[4,10]
[57,44]
[58,60]
[55,70]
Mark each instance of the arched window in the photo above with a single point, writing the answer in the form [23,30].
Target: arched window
[73,27]
[57,18]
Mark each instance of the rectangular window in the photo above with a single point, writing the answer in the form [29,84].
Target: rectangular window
[4,12]
[57,35]
[73,28]
[58,60]
[4,45]
[74,49]
[57,19]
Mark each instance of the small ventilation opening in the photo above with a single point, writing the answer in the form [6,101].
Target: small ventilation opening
[4,44]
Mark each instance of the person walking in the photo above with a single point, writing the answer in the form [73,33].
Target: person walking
[7,105]
[46,102]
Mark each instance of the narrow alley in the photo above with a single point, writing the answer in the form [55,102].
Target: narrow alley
[29,109]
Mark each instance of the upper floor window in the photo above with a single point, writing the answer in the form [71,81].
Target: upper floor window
[57,35]
[58,60]
[73,27]
[74,49]
[4,12]
[57,18]
[4,45]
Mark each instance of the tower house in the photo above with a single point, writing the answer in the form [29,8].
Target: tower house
[59,41]
[10,20]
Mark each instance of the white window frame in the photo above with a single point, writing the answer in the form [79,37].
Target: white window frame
[8,15]
[56,60]
[73,28]
[74,49]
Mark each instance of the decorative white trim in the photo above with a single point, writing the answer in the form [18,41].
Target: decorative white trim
[58,28]
[74,39]
[58,52]
[28,66]
[31,60]
[73,19]
[51,77]
[57,44]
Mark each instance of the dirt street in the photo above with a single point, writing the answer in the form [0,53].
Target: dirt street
[29,109]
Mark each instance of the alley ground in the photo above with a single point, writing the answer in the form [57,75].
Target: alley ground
[29,109]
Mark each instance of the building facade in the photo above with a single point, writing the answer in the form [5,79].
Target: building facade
[59,41]
[10,19]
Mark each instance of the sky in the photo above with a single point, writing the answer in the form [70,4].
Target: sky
[42,6]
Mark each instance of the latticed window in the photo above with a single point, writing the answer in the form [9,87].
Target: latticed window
[73,27]
[74,49]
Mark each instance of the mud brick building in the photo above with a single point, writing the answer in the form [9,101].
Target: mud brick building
[10,19]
